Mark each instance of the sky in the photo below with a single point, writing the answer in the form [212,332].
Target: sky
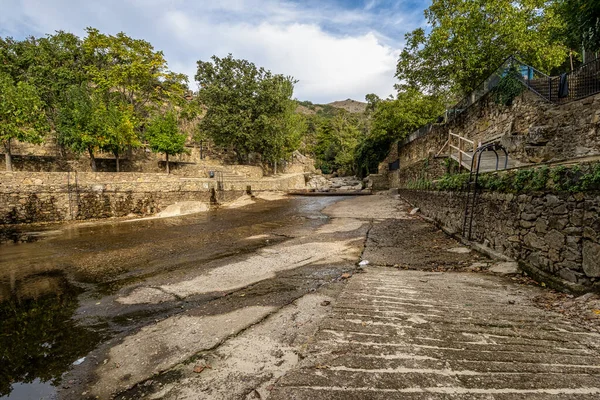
[336,49]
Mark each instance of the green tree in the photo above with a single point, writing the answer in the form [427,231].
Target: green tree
[163,135]
[391,121]
[21,115]
[52,64]
[469,39]
[133,69]
[337,139]
[582,27]
[248,108]
[90,120]
[119,126]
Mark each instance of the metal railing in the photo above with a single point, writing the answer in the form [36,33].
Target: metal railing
[580,83]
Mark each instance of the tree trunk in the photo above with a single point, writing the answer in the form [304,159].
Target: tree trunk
[117,159]
[275,167]
[167,154]
[92,159]
[7,155]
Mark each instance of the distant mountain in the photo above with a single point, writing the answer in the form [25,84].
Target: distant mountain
[352,106]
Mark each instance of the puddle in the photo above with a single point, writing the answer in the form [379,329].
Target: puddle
[39,340]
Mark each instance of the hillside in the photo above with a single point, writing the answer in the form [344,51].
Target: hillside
[352,106]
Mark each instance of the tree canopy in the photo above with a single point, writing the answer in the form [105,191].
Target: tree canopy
[392,120]
[249,109]
[21,115]
[164,137]
[469,39]
[582,27]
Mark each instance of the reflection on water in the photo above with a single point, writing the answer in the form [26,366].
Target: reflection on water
[38,339]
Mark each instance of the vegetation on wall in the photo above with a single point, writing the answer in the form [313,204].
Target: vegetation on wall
[508,88]
[572,179]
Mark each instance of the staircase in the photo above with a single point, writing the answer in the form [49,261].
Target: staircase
[463,151]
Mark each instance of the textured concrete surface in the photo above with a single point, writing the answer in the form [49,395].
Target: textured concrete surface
[398,334]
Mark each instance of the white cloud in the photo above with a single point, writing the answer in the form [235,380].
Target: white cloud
[335,53]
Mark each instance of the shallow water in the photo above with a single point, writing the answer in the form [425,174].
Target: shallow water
[57,292]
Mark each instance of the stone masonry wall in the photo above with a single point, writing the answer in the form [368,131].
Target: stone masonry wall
[43,197]
[556,237]
[532,130]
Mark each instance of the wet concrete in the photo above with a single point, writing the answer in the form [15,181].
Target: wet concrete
[58,295]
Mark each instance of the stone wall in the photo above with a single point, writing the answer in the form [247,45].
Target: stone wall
[43,197]
[554,237]
[532,130]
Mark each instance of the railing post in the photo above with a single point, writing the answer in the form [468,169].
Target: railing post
[460,150]
[450,142]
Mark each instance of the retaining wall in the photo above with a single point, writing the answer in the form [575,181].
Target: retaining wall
[554,237]
[27,197]
[532,130]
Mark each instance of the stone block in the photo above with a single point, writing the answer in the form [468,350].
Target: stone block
[555,239]
[527,216]
[590,233]
[535,242]
[568,275]
[541,226]
[557,223]
[591,259]
[560,210]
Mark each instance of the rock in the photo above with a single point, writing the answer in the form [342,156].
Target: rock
[535,242]
[529,216]
[586,297]
[363,262]
[414,211]
[459,250]
[505,268]
[591,259]
[346,275]
[325,303]
[555,239]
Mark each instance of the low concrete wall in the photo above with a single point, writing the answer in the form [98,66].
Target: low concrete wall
[27,197]
[554,237]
